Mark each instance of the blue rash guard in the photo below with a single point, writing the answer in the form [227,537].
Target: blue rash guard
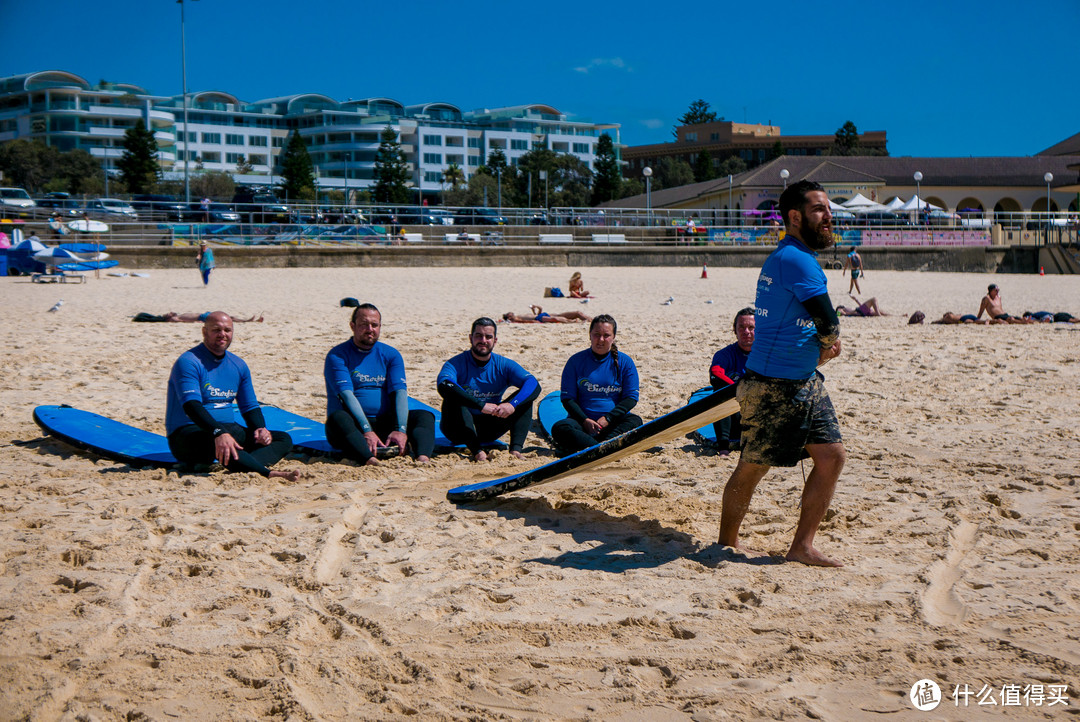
[785,337]
[372,376]
[592,382]
[200,376]
[732,359]
[487,383]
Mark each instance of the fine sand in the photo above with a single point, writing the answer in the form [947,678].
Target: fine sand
[361,593]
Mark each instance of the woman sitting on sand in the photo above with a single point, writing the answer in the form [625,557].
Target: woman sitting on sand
[538,315]
[577,286]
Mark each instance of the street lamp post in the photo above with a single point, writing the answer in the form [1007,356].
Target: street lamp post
[183,81]
[647,172]
[498,173]
[784,174]
[1048,177]
[918,198]
[729,178]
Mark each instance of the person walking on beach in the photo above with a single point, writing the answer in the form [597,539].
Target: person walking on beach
[599,388]
[854,262]
[786,411]
[203,385]
[472,385]
[367,401]
[206,262]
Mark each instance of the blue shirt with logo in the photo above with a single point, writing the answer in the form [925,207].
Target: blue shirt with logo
[371,375]
[198,375]
[595,385]
[732,359]
[486,383]
[785,337]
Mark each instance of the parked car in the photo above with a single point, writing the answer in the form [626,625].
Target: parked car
[16,198]
[214,213]
[479,217]
[112,209]
[163,207]
[63,206]
[260,207]
[429,217]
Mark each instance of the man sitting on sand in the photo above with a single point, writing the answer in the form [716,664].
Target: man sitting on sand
[472,385]
[538,315]
[869,308]
[199,421]
[174,317]
[991,306]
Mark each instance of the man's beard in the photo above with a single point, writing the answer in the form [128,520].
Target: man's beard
[816,239]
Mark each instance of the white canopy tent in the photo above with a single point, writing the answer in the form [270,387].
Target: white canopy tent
[917,204]
[894,204]
[859,201]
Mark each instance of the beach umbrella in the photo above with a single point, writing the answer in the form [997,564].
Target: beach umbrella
[29,247]
[56,256]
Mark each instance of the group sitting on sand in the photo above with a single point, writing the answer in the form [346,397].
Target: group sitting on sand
[992,306]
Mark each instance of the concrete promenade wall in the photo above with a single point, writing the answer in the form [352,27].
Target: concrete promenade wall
[974,259]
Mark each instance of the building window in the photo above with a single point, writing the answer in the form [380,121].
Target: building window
[455,141]
[233,157]
[211,157]
[257,140]
[279,141]
[474,142]
[714,136]
[459,159]
[257,159]
[474,160]
[211,137]
[581,148]
[234,139]
[432,176]
[497,143]
[691,136]
[433,158]
[432,140]
[519,145]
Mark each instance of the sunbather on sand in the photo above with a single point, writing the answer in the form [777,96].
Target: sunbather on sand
[174,317]
[538,315]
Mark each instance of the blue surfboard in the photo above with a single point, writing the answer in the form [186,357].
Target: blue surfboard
[706,410]
[104,436]
[708,433]
[550,411]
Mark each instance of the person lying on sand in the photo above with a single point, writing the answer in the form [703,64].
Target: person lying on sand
[538,315]
[869,308]
[174,317]
[1047,317]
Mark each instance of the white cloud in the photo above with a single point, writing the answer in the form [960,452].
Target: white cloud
[595,63]
[652,123]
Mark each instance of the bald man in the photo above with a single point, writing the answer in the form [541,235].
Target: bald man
[199,420]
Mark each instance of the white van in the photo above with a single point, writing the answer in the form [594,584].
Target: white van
[16,198]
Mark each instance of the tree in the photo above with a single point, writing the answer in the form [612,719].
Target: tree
[296,169]
[217,184]
[698,112]
[732,165]
[671,173]
[846,140]
[530,166]
[777,150]
[391,172]
[632,187]
[78,170]
[139,167]
[703,167]
[572,182]
[28,164]
[608,177]
[243,165]
[453,176]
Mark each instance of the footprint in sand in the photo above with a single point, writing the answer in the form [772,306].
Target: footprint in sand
[940,604]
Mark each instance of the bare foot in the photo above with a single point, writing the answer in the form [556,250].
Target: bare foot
[423,459]
[290,475]
[371,462]
[811,556]
[259,319]
[480,456]
[744,552]
[516,454]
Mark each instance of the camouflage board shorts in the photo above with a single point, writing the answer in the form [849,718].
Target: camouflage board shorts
[780,417]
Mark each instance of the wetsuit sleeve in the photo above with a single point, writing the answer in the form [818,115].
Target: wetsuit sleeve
[574,410]
[245,392]
[254,418]
[401,409]
[529,390]
[450,390]
[352,405]
[200,416]
[621,409]
[821,310]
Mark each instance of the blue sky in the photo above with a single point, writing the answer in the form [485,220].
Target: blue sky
[943,78]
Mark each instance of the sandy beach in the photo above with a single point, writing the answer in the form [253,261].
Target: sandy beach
[361,593]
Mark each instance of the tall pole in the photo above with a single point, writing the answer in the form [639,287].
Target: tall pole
[183,80]
[729,199]
[647,172]
[498,172]
[1049,219]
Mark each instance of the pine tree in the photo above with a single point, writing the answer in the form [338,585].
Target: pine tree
[297,170]
[608,179]
[139,169]
[698,112]
[703,167]
[391,172]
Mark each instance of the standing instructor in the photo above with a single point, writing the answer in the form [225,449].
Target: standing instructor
[786,412]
